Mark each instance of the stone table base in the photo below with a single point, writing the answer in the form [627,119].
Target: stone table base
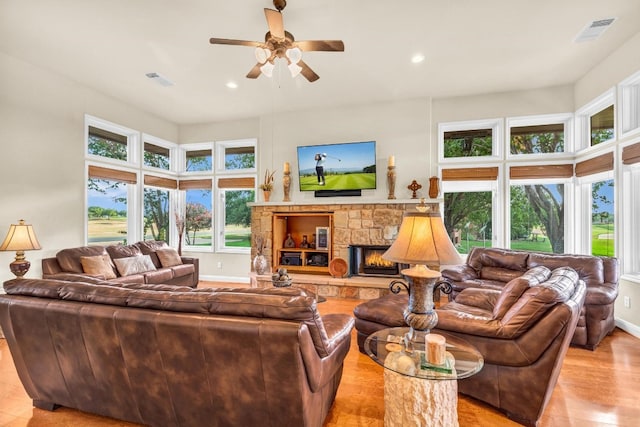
[419,402]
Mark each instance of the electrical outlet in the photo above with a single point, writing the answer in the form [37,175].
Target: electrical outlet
[627,302]
[219,264]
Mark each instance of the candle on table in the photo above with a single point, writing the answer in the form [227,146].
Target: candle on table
[436,348]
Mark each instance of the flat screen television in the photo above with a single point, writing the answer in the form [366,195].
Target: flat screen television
[337,169]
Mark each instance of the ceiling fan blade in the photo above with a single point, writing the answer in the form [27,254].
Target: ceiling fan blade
[274,21]
[214,40]
[307,72]
[255,71]
[321,45]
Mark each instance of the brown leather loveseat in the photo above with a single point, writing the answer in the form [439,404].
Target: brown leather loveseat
[493,268]
[148,261]
[164,355]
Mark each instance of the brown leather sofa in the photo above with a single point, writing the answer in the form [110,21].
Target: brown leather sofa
[69,262]
[522,331]
[493,268]
[164,355]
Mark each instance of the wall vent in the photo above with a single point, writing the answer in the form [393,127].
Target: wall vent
[594,29]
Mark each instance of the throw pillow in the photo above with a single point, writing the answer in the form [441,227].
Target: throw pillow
[168,257]
[134,265]
[98,265]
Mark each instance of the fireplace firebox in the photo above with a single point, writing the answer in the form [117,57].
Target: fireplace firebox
[366,260]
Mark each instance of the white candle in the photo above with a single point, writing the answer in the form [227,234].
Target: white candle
[392,160]
[286,167]
[436,348]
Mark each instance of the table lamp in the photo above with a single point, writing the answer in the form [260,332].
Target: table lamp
[422,240]
[20,238]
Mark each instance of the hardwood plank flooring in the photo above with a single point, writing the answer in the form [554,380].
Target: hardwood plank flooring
[599,388]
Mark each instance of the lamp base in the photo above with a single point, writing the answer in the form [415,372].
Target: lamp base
[19,268]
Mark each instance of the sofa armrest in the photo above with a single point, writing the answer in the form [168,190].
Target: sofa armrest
[196,266]
[478,297]
[50,266]
[321,370]
[460,273]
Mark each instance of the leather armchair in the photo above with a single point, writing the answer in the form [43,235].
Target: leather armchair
[523,332]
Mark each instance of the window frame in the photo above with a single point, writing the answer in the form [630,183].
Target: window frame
[583,122]
[584,212]
[629,111]
[497,143]
[220,152]
[173,154]
[182,206]
[133,141]
[565,119]
[182,158]
[628,244]
[220,213]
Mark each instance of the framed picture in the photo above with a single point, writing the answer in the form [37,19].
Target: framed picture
[322,238]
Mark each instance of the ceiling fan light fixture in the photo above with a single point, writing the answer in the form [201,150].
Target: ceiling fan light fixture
[294,54]
[262,54]
[294,69]
[267,69]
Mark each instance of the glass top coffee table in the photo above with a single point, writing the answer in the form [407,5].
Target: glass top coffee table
[417,393]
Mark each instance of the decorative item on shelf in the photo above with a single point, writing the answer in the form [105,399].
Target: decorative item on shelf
[434,187]
[267,185]
[260,262]
[289,242]
[338,267]
[20,238]
[414,187]
[281,279]
[422,240]
[323,238]
[286,182]
[305,243]
[391,177]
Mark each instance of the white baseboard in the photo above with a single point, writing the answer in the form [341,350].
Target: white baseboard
[628,327]
[232,279]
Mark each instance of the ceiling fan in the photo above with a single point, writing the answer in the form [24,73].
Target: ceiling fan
[279,43]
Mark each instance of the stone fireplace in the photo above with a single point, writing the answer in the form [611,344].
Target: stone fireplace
[364,225]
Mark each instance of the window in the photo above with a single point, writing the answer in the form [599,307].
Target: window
[198,212]
[537,217]
[198,160]
[234,214]
[602,218]
[158,153]
[109,141]
[539,134]
[108,201]
[157,198]
[630,208]
[601,126]
[470,207]
[236,155]
[596,121]
[469,140]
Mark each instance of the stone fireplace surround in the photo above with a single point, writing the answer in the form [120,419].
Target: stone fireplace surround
[373,223]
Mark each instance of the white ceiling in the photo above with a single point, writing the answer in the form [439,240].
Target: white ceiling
[471,47]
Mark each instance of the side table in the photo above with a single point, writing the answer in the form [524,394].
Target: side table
[416,393]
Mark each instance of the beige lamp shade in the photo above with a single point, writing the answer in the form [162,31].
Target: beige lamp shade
[20,237]
[423,239]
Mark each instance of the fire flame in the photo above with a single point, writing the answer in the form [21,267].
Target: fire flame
[375,259]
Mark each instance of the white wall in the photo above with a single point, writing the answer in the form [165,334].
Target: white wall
[42,161]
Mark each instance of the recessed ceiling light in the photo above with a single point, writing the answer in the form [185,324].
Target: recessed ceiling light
[417,58]
[232,85]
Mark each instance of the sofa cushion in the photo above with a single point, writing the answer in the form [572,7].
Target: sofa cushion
[183,270]
[498,273]
[134,265]
[98,265]
[123,251]
[158,276]
[149,247]
[168,257]
[69,259]
[496,257]
[516,287]
[589,268]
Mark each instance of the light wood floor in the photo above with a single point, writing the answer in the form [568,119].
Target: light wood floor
[600,388]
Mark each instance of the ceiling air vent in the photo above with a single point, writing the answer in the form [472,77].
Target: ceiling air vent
[161,80]
[594,30]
